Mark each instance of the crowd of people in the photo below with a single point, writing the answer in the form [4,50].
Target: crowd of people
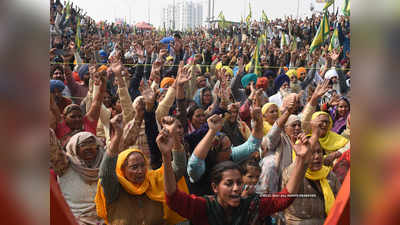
[220,125]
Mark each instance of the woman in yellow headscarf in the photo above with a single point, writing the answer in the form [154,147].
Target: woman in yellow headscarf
[333,143]
[128,192]
[270,114]
[319,181]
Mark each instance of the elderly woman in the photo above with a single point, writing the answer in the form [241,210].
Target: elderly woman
[73,121]
[77,171]
[279,143]
[270,114]
[332,143]
[129,192]
[319,181]
[227,206]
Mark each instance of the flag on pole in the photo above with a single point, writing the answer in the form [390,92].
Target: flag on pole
[257,69]
[346,8]
[222,23]
[78,33]
[335,44]
[328,3]
[67,11]
[264,16]
[322,33]
[248,18]
[283,40]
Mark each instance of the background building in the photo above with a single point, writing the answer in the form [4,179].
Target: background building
[185,15]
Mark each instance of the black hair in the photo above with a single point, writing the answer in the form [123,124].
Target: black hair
[252,163]
[191,111]
[56,67]
[216,173]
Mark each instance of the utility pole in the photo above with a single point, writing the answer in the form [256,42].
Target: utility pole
[208,15]
[148,11]
[213,9]
[298,5]
[173,15]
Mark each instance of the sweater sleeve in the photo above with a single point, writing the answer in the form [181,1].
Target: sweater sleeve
[277,202]
[191,207]
[274,137]
[164,106]
[242,151]
[109,180]
[196,168]
[306,118]
[126,104]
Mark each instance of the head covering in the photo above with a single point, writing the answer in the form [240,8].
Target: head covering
[268,73]
[332,141]
[167,81]
[340,122]
[262,82]
[102,53]
[228,70]
[300,70]
[152,186]
[218,66]
[246,79]
[169,58]
[69,108]
[102,68]
[75,75]
[79,165]
[280,80]
[198,97]
[166,40]
[292,118]
[56,84]
[267,125]
[83,70]
[285,69]
[321,176]
[331,73]
[291,72]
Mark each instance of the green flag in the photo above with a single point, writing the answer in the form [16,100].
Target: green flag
[264,16]
[322,33]
[346,8]
[67,11]
[283,40]
[78,41]
[222,23]
[328,3]
[334,40]
[248,18]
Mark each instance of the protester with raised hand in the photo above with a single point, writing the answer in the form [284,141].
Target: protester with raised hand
[226,206]
[216,147]
[320,181]
[128,191]
[73,121]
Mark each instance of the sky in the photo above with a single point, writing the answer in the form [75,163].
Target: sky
[138,10]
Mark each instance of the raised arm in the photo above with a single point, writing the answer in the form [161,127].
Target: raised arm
[310,107]
[196,164]
[94,111]
[182,78]
[58,159]
[126,101]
